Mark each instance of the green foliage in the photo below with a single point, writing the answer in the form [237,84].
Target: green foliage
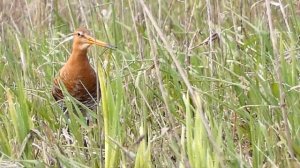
[226,109]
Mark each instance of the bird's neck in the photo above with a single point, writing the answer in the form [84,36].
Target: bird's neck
[78,57]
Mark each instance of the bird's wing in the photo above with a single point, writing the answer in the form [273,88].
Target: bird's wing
[56,91]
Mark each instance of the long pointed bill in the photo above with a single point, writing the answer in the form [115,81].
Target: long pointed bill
[92,40]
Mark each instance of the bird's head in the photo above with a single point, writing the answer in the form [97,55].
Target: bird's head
[83,40]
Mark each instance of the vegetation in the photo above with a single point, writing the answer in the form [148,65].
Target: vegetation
[193,83]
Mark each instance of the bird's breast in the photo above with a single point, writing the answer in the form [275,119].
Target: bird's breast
[81,83]
[78,80]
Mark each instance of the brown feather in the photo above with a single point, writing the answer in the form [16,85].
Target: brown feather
[77,75]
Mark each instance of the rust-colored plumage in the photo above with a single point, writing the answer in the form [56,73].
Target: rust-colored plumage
[77,75]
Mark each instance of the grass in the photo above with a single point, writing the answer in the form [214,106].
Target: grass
[171,96]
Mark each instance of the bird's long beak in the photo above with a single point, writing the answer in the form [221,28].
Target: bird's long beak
[92,40]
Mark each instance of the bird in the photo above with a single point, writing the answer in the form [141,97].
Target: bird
[77,75]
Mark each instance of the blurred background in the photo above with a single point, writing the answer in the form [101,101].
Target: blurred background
[192,83]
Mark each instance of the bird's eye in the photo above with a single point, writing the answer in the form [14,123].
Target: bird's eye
[79,34]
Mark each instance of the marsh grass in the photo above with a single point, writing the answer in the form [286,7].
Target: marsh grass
[191,84]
